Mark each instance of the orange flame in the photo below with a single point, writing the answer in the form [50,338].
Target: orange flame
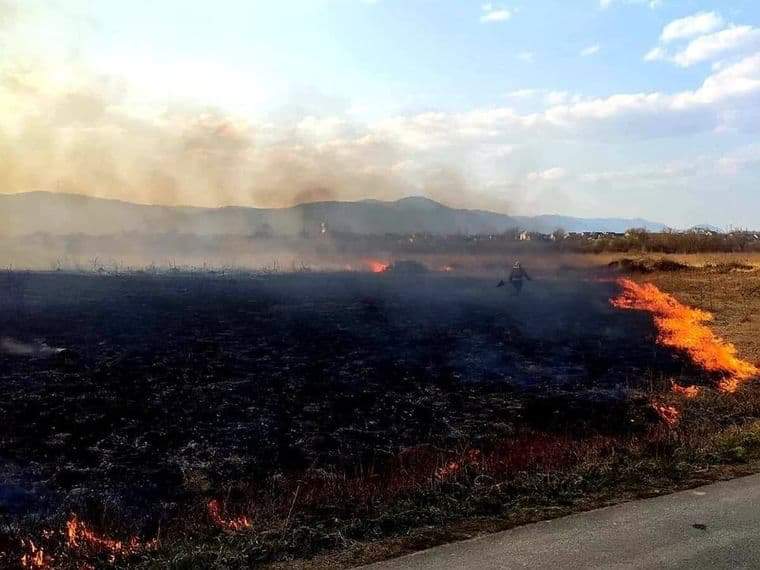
[448,470]
[472,457]
[376,266]
[35,557]
[668,414]
[686,391]
[232,525]
[683,327]
[80,536]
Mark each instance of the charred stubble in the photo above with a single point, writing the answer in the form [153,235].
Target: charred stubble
[167,391]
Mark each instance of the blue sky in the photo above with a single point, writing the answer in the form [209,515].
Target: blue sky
[587,107]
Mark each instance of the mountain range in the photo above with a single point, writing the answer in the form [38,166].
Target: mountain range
[66,214]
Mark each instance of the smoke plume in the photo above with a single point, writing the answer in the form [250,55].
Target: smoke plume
[67,127]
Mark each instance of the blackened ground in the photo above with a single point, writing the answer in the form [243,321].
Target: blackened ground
[128,386]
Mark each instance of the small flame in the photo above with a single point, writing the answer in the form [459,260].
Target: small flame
[668,414]
[80,536]
[472,457]
[686,391]
[448,470]
[683,327]
[232,525]
[376,266]
[35,557]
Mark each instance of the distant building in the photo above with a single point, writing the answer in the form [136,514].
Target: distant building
[704,231]
[602,235]
[535,236]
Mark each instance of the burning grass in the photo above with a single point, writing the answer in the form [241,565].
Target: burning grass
[79,546]
[524,478]
[254,423]
[668,413]
[80,537]
[684,328]
[687,391]
[531,477]
[377,265]
[233,524]
[33,556]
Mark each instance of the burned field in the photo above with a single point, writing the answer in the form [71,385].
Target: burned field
[174,406]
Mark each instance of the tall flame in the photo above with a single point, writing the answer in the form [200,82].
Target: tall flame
[35,556]
[684,328]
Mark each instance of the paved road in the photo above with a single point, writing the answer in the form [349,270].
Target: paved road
[654,533]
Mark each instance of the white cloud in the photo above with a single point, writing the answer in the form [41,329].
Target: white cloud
[556,97]
[549,175]
[724,100]
[522,93]
[718,44]
[590,50]
[546,96]
[655,54]
[526,56]
[738,160]
[703,37]
[690,26]
[497,152]
[492,14]
[647,174]
[652,4]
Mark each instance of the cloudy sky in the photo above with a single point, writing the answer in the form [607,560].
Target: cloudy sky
[619,108]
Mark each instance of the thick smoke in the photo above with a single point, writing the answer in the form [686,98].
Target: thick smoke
[67,128]
[83,141]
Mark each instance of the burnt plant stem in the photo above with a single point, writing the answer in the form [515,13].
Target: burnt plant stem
[292,506]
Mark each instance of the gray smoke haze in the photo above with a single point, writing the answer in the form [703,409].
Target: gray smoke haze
[81,142]
[18,348]
[84,134]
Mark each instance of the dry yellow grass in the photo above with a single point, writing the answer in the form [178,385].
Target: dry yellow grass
[731,295]
[698,260]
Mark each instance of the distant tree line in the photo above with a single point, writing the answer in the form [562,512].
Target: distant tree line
[642,241]
[94,251]
[632,241]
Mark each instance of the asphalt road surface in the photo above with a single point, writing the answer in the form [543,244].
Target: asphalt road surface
[717,526]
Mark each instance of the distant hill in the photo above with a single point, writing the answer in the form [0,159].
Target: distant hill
[65,214]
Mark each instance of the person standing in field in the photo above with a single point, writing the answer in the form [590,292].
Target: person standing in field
[517,276]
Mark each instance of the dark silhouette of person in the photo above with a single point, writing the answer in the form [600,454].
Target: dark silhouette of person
[517,276]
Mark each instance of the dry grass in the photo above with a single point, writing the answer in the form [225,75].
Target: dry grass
[732,296]
[692,259]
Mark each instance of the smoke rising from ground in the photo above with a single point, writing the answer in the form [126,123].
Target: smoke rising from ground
[83,141]
[69,128]
[18,348]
